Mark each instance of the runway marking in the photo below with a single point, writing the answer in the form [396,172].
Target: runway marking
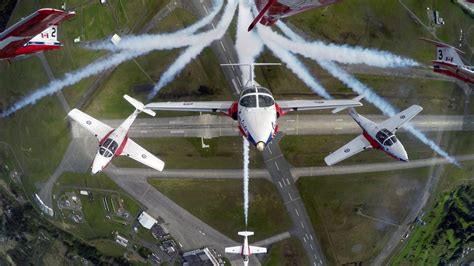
[290,120]
[177,122]
[280,184]
[288,181]
[276,164]
[339,120]
[270,150]
[297,213]
[302,225]
[213,25]
[176,131]
[304,239]
[291,128]
[311,246]
[290,196]
[205,9]
[143,131]
[338,128]
[290,201]
[142,123]
[315,257]
[223,48]
[310,236]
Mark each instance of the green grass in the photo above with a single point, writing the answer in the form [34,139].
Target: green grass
[382,24]
[287,252]
[219,203]
[447,231]
[96,224]
[183,153]
[332,201]
[109,247]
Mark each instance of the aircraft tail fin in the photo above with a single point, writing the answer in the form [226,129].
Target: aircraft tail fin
[339,109]
[446,52]
[261,14]
[47,37]
[138,105]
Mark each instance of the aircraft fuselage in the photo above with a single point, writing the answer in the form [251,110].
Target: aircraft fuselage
[112,144]
[380,138]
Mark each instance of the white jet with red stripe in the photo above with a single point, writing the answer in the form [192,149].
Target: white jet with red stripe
[245,249]
[378,136]
[256,111]
[115,142]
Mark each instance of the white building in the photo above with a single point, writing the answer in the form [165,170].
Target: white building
[146,220]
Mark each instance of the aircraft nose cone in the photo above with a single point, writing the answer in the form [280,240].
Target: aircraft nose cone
[260,146]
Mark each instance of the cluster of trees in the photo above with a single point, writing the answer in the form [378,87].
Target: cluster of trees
[24,225]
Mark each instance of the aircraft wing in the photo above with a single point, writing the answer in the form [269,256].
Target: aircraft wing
[221,106]
[396,121]
[235,250]
[21,32]
[304,105]
[355,146]
[139,154]
[257,250]
[94,126]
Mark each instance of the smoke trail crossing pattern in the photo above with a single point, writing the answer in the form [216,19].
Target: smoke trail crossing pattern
[103,64]
[369,94]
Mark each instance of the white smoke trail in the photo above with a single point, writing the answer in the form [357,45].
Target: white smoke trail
[298,68]
[345,54]
[248,44]
[194,50]
[382,104]
[102,65]
[246,179]
[72,78]
[148,42]
[175,68]
[124,43]
[369,94]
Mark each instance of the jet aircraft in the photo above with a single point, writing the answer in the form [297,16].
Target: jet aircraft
[448,62]
[35,33]
[270,11]
[245,249]
[256,111]
[115,142]
[378,136]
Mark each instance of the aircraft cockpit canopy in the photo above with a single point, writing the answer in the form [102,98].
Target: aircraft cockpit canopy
[256,97]
[109,148]
[386,137]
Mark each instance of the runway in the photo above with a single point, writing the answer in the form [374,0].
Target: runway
[211,126]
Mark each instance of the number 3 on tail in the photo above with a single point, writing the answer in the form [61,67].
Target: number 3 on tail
[440,54]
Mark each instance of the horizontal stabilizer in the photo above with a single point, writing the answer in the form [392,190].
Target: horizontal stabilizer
[245,233]
[138,105]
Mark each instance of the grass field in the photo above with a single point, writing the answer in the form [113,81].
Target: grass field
[96,225]
[219,203]
[286,252]
[332,202]
[187,153]
[383,24]
[448,230]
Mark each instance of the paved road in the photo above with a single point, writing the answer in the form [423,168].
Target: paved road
[373,167]
[302,228]
[209,126]
[224,48]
